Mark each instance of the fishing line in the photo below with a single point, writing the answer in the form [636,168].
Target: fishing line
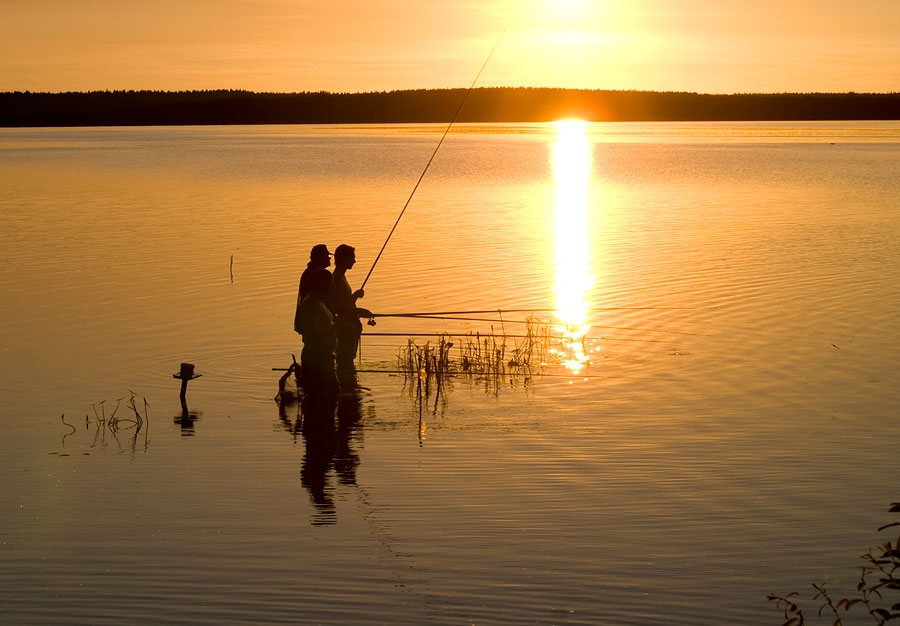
[433,154]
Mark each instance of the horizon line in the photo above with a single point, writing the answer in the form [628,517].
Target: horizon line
[483,88]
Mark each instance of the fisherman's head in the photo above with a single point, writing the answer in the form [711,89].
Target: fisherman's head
[320,282]
[344,256]
[319,256]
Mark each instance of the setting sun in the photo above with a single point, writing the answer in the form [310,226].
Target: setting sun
[568,5]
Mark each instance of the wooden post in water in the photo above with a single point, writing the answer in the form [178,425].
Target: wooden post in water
[185,374]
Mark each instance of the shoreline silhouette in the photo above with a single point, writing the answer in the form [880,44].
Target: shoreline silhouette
[485,104]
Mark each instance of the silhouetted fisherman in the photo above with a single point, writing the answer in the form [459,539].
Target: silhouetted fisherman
[343,302]
[319,258]
[317,329]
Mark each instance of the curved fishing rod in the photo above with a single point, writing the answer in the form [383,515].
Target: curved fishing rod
[477,311]
[546,310]
[433,154]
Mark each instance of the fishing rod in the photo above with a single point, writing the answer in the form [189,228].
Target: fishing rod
[537,374]
[473,312]
[514,336]
[433,154]
[502,321]
[544,310]
[459,318]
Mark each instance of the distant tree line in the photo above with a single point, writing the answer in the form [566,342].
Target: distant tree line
[489,104]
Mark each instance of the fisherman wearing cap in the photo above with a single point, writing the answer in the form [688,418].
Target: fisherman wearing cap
[317,329]
[319,258]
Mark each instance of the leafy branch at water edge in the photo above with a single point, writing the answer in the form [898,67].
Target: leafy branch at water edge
[878,590]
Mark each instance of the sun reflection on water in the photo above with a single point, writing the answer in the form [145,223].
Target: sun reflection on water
[573,280]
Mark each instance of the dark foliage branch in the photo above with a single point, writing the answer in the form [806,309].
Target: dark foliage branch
[878,590]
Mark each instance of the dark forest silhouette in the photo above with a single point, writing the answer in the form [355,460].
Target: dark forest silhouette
[489,104]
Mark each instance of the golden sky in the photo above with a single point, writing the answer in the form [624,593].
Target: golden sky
[711,46]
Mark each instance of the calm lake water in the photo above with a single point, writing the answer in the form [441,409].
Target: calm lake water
[730,430]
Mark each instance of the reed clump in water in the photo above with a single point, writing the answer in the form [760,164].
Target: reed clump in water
[531,352]
[429,364]
[136,420]
[484,356]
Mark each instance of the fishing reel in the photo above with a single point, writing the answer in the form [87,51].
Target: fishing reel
[371,321]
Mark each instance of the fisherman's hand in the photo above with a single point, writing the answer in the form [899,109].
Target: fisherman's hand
[364,313]
[359,293]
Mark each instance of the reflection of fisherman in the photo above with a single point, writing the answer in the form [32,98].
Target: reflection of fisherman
[317,329]
[343,301]
[319,434]
[349,427]
[329,448]
[319,257]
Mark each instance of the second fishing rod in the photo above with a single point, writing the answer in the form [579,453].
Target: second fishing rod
[433,154]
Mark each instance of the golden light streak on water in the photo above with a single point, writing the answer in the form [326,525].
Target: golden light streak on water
[573,280]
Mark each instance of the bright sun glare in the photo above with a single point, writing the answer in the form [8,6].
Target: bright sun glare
[567,5]
[572,164]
